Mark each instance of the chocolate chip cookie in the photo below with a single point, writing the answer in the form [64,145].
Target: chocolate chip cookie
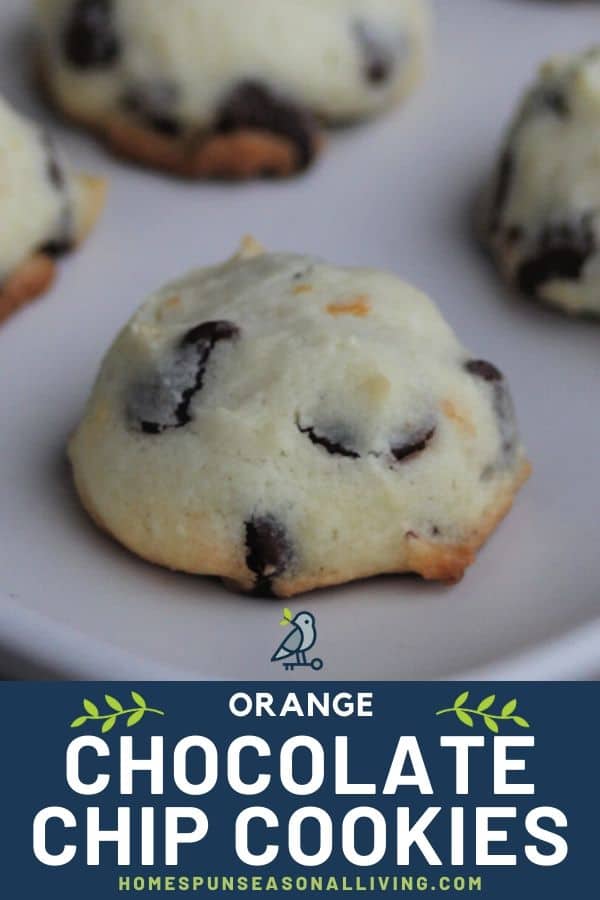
[45,210]
[287,425]
[223,89]
[541,216]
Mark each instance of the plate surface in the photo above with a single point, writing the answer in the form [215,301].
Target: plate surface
[396,194]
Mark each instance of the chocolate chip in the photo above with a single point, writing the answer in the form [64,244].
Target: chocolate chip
[201,341]
[55,172]
[62,239]
[335,442]
[57,248]
[407,447]
[554,100]
[503,408]
[253,106]
[268,551]
[507,421]
[513,234]
[502,187]
[210,333]
[90,40]
[164,400]
[54,169]
[155,428]
[562,252]
[483,369]
[378,53]
[303,274]
[434,531]
[546,98]
[153,104]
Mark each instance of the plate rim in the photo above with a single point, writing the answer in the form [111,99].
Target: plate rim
[27,636]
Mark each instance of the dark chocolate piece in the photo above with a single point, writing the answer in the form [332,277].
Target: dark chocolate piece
[153,104]
[413,444]
[562,251]
[502,187]
[503,408]
[268,552]
[251,105]
[90,40]
[164,400]
[379,56]
[483,369]
[334,442]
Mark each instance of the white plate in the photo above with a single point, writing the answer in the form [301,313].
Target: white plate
[395,194]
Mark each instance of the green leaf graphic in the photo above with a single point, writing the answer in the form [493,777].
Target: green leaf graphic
[91,708]
[113,703]
[287,617]
[116,711]
[464,717]
[109,724]
[486,703]
[135,717]
[137,698]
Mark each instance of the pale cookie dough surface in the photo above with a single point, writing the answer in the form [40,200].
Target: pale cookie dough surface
[181,71]
[542,213]
[44,208]
[286,425]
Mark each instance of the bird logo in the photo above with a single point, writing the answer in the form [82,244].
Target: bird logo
[293,649]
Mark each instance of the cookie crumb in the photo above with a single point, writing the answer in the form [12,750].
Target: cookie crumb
[249,248]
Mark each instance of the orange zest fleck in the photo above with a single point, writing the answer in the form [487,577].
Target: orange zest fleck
[167,306]
[358,306]
[456,415]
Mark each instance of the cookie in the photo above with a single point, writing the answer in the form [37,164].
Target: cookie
[541,214]
[287,425]
[44,208]
[215,88]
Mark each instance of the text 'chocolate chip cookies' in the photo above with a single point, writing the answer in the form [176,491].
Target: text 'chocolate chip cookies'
[288,425]
[542,213]
[227,89]
[45,210]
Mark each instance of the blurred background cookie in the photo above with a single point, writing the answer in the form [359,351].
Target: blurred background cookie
[45,210]
[223,88]
[542,212]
